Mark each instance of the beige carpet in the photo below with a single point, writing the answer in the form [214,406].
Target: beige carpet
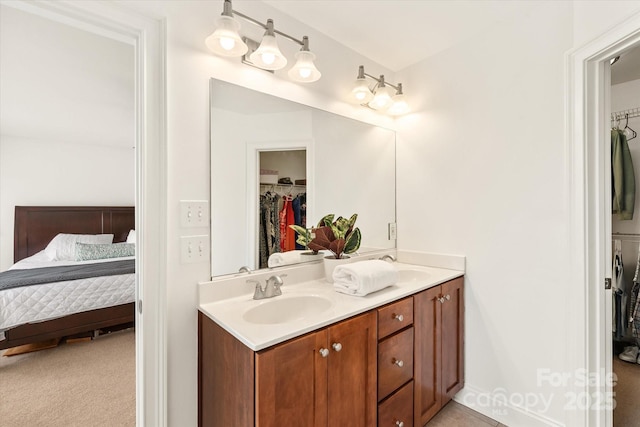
[627,412]
[82,384]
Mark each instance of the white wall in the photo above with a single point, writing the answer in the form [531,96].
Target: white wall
[480,173]
[593,17]
[66,119]
[490,127]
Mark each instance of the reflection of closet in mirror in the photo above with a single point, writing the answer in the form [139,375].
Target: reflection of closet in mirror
[282,201]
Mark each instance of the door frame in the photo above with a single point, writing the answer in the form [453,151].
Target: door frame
[148,37]
[588,339]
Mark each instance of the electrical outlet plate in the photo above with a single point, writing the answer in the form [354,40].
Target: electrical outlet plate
[194,213]
[194,249]
[393,235]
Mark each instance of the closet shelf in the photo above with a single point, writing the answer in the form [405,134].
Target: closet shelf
[632,112]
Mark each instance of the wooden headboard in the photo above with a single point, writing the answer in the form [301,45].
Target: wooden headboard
[35,226]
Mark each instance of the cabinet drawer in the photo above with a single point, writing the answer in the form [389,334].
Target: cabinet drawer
[397,410]
[393,317]
[395,362]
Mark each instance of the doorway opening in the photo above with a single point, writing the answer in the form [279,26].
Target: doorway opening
[589,302]
[625,226]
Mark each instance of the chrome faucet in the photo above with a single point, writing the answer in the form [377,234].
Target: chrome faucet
[271,289]
[388,257]
[244,269]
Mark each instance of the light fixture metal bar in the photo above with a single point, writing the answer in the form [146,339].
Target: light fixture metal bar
[380,81]
[264,26]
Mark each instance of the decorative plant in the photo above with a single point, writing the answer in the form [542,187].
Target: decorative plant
[339,236]
[305,235]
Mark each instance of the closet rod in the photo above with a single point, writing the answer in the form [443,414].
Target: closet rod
[632,112]
[626,236]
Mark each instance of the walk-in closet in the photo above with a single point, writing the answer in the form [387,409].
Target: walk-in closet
[283,202]
[625,225]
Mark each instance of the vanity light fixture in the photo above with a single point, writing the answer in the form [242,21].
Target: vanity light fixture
[380,96]
[226,41]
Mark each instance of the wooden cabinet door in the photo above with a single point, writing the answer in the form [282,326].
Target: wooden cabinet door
[352,372]
[426,322]
[291,383]
[452,326]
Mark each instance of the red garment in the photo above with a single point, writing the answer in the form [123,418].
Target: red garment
[287,235]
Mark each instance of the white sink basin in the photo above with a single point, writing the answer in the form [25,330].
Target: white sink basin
[284,309]
[408,275]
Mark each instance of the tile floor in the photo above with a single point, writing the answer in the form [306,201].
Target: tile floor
[457,415]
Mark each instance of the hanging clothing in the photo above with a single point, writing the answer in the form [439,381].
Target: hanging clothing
[269,230]
[623,181]
[299,205]
[287,235]
[619,294]
[634,306]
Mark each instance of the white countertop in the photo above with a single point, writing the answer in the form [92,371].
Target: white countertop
[229,312]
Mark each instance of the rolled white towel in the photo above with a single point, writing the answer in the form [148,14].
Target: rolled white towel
[364,277]
[279,259]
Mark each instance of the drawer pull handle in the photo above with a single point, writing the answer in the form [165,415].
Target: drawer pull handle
[323,352]
[444,298]
[398,317]
[337,346]
[400,363]
[399,423]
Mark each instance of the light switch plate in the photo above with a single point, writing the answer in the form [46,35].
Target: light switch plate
[194,213]
[194,249]
[393,231]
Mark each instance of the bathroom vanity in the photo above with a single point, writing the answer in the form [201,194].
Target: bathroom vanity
[392,358]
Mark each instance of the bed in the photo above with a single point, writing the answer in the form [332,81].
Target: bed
[35,227]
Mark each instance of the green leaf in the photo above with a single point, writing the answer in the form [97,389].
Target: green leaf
[352,220]
[353,241]
[326,220]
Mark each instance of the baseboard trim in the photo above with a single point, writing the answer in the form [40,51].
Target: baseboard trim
[495,404]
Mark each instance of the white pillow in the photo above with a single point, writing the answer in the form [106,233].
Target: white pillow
[63,246]
[131,237]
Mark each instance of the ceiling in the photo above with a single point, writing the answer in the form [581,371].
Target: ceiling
[435,25]
[627,67]
[365,26]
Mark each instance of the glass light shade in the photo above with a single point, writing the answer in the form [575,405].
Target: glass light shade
[399,106]
[381,98]
[361,93]
[225,40]
[304,70]
[268,56]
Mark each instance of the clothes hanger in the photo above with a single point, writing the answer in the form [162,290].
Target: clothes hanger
[627,130]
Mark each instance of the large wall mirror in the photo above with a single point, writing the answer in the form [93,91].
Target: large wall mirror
[269,154]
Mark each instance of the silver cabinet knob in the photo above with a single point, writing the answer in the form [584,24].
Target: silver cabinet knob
[337,346]
[399,363]
[447,297]
[441,300]
[398,317]
[399,423]
[324,352]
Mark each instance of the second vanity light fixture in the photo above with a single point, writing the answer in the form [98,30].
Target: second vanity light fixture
[226,41]
[379,97]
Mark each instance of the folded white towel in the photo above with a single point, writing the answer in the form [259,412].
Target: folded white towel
[291,257]
[364,277]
